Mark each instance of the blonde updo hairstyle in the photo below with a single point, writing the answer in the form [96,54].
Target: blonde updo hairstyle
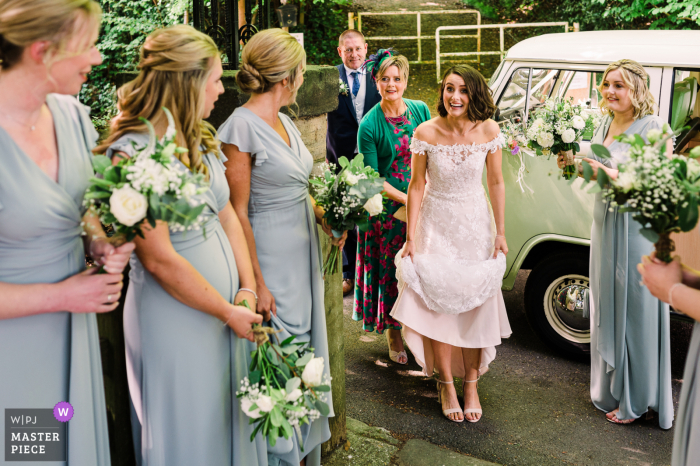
[174,67]
[398,61]
[635,78]
[269,57]
[24,22]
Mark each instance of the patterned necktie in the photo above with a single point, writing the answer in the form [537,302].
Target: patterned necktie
[355,83]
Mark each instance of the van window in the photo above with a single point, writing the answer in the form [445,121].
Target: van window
[545,83]
[685,109]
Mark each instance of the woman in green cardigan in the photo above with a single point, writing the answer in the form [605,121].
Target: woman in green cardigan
[383,138]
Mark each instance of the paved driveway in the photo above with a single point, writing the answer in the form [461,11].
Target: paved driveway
[537,409]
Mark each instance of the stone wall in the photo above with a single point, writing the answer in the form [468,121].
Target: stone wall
[317,96]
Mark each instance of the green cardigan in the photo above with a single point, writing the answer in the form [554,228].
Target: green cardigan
[376,139]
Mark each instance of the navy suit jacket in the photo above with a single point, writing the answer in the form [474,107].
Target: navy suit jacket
[341,138]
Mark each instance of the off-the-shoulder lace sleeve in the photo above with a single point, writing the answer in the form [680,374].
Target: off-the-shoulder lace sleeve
[241,132]
[496,143]
[419,147]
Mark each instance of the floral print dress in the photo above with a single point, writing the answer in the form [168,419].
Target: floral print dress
[376,286]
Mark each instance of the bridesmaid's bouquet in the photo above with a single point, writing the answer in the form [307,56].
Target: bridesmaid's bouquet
[661,192]
[557,127]
[152,185]
[347,198]
[285,387]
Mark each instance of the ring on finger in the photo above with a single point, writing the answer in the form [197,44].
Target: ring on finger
[109,298]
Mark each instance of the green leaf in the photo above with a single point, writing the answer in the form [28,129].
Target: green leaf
[322,408]
[343,162]
[587,171]
[688,216]
[649,234]
[100,163]
[595,189]
[603,178]
[304,360]
[288,340]
[292,384]
[600,151]
[322,388]
[102,183]
[363,224]
[287,430]
[276,418]
[254,377]
[272,356]
[97,195]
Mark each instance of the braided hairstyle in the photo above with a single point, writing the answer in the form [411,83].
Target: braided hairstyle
[174,66]
[271,56]
[24,22]
[635,78]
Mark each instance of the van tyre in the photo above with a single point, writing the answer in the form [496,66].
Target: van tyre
[559,321]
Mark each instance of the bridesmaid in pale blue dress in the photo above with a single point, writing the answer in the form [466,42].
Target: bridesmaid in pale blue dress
[268,171]
[186,343]
[630,329]
[679,286]
[49,346]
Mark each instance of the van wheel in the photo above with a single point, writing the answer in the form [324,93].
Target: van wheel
[554,303]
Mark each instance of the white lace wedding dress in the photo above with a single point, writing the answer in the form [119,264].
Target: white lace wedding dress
[451,290]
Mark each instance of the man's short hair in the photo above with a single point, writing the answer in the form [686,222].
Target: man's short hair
[350,33]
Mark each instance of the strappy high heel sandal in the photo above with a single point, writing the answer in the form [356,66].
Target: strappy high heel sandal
[470,410]
[447,412]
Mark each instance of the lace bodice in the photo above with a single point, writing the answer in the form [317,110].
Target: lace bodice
[454,171]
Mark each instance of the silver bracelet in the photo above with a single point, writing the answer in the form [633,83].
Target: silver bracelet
[670,294]
[250,291]
[229,317]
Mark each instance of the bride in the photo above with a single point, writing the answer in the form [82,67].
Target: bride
[451,268]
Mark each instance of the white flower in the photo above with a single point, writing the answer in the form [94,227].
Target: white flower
[189,190]
[313,373]
[128,205]
[568,136]
[374,205]
[579,122]
[265,403]
[246,405]
[654,135]
[293,396]
[625,181]
[549,105]
[545,139]
[350,179]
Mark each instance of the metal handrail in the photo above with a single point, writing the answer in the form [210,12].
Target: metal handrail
[501,28]
[419,35]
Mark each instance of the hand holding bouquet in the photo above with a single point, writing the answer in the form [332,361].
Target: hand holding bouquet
[660,192]
[152,185]
[557,127]
[347,198]
[284,388]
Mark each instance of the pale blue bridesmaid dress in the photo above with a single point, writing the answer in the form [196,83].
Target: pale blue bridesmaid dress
[47,358]
[686,447]
[630,329]
[288,248]
[184,366]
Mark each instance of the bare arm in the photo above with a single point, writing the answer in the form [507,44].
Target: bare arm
[238,171]
[416,189]
[672,283]
[497,193]
[234,232]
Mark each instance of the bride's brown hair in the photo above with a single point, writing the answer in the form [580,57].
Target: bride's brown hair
[481,106]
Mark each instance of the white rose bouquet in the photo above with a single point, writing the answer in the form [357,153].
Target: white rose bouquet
[557,128]
[347,199]
[152,185]
[285,387]
[661,192]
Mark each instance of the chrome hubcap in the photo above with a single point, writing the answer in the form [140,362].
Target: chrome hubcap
[564,308]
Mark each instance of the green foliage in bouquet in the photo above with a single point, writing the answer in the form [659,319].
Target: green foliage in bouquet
[349,198]
[660,192]
[152,185]
[558,126]
[284,388]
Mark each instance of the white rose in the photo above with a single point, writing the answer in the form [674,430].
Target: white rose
[374,205]
[128,205]
[293,396]
[350,179]
[549,105]
[246,405]
[265,403]
[579,122]
[313,373]
[538,123]
[545,139]
[189,190]
[568,136]
[625,181]
[654,135]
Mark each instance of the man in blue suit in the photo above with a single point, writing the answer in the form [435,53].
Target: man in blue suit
[343,123]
